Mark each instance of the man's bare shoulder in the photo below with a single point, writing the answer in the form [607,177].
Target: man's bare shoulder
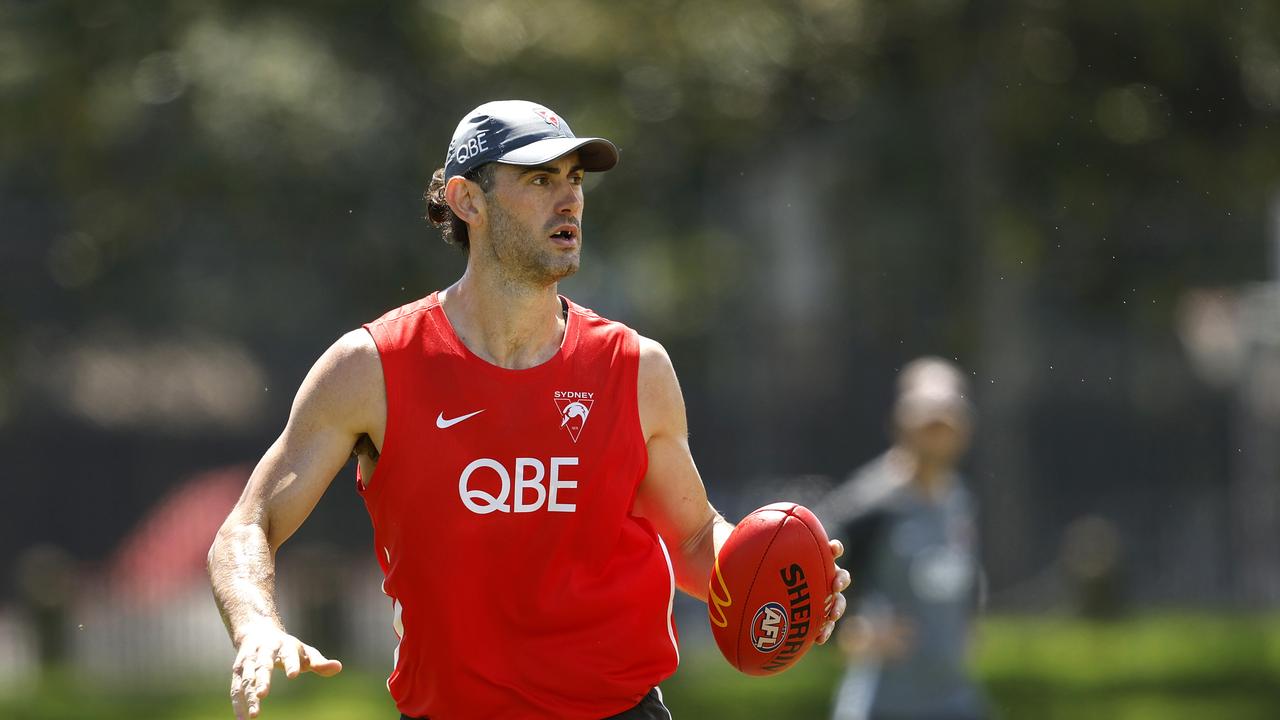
[346,383]
[652,352]
[656,370]
[659,396]
[352,359]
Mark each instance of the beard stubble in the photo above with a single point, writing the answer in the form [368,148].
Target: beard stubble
[522,254]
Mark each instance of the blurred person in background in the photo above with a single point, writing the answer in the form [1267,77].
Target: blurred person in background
[908,523]
[524,461]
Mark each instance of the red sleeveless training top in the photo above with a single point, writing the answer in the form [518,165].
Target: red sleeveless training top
[522,585]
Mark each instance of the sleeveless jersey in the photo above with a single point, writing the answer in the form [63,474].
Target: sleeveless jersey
[522,586]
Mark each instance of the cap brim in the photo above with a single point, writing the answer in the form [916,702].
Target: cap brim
[914,410]
[595,154]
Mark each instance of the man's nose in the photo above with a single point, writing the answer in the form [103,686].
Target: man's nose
[570,200]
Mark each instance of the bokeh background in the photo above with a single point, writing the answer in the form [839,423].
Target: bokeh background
[1077,201]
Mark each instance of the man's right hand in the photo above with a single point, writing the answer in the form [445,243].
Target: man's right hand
[262,650]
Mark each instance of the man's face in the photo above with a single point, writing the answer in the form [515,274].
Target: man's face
[535,220]
[939,441]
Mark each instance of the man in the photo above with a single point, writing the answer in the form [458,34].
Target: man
[525,465]
[911,525]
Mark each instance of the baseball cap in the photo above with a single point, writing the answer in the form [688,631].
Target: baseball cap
[931,389]
[518,132]
[923,407]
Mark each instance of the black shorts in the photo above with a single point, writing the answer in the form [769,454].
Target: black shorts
[650,707]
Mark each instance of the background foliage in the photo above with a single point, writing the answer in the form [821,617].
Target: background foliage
[197,198]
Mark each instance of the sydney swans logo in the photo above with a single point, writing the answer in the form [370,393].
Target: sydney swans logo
[574,408]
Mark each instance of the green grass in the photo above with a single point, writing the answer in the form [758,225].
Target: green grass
[1156,667]
[1167,667]
[1160,667]
[347,696]
[1159,649]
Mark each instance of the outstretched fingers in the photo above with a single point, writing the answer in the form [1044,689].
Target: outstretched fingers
[298,657]
[290,659]
[259,657]
[238,702]
[250,681]
[317,663]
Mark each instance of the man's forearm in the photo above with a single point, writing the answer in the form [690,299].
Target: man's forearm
[697,555]
[242,570]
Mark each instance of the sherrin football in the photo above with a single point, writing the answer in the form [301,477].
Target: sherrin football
[768,588]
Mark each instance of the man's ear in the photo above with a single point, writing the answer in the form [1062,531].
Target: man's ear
[466,199]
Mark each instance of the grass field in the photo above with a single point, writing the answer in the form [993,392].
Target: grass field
[1172,667]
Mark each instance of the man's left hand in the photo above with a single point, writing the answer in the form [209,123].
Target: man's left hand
[835,603]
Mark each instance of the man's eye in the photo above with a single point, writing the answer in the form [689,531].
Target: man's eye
[575,179]
[540,180]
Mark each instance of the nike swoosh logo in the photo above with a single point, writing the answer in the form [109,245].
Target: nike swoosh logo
[442,423]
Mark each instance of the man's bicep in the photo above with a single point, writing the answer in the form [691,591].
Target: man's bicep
[672,495]
[293,475]
[336,403]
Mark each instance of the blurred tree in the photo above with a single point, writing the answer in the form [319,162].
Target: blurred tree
[811,192]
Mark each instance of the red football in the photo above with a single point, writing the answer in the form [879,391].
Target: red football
[767,590]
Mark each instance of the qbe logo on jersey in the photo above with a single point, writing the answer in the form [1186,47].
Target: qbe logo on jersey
[574,408]
[769,627]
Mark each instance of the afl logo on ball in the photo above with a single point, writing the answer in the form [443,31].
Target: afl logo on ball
[769,627]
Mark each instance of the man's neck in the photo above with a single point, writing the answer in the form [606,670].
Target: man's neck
[511,325]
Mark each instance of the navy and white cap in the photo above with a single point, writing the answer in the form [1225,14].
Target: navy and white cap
[517,132]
